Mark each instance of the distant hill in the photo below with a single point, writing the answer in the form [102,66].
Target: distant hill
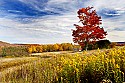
[7,44]
[4,43]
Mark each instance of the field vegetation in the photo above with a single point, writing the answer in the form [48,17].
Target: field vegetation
[80,67]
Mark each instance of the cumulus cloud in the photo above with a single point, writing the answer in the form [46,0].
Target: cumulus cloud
[45,28]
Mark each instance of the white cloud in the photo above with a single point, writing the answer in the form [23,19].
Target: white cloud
[53,27]
[57,28]
[100,4]
[116,36]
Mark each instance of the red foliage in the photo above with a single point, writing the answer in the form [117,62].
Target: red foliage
[90,31]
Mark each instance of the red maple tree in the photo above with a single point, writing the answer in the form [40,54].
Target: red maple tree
[90,31]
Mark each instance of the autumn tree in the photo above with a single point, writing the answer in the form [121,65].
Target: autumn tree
[44,48]
[55,47]
[60,48]
[30,49]
[39,49]
[90,31]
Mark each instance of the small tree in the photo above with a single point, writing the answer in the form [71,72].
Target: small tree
[90,31]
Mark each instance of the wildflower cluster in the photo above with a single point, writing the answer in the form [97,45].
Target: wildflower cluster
[98,67]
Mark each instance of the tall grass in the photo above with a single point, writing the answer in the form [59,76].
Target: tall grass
[106,66]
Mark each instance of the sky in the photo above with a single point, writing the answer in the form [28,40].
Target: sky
[51,21]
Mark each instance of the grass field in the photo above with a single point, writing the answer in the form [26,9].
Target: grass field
[66,67]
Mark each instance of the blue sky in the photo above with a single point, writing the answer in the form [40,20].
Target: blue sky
[51,21]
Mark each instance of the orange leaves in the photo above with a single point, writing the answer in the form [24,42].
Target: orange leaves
[90,31]
[84,10]
[88,16]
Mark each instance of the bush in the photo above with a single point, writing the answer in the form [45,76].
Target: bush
[103,44]
[113,44]
[99,44]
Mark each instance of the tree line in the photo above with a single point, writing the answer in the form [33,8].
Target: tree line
[68,47]
[50,47]
[24,50]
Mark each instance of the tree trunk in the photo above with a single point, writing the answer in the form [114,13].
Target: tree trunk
[86,45]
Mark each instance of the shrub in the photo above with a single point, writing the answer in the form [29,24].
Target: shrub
[113,44]
[103,44]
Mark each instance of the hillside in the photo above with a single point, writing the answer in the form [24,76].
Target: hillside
[4,43]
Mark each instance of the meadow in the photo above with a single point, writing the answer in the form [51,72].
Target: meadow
[96,66]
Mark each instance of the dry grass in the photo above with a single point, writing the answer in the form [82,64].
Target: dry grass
[10,62]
